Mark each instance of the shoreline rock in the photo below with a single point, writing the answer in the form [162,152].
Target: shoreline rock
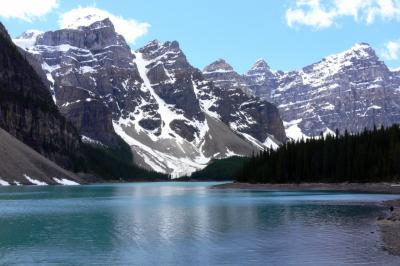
[389,225]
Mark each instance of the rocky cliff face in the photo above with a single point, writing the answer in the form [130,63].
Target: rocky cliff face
[171,130]
[224,77]
[27,110]
[89,70]
[172,117]
[261,79]
[164,68]
[351,90]
[236,107]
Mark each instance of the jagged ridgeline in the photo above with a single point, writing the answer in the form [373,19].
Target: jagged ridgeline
[350,90]
[178,119]
[370,156]
[175,120]
[28,112]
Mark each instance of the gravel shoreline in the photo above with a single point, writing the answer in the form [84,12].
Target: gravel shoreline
[388,222]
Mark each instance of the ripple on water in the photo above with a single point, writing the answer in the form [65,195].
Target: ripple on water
[187,224]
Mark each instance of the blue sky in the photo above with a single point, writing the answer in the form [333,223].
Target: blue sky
[288,34]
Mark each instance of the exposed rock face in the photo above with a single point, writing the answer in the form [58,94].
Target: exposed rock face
[352,90]
[171,131]
[27,110]
[174,119]
[224,77]
[240,110]
[172,79]
[261,79]
[90,70]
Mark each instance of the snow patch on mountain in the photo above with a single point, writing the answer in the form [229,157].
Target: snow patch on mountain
[293,131]
[65,182]
[271,144]
[174,159]
[4,183]
[167,115]
[86,16]
[34,181]
[88,140]
[206,98]
[350,90]
[27,39]
[165,151]
[318,73]
[328,132]
[174,119]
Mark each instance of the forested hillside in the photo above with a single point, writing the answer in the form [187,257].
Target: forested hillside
[370,156]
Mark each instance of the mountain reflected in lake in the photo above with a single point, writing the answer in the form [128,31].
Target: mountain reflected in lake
[187,224]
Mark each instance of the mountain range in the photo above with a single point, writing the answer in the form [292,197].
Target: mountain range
[352,90]
[177,118]
[174,119]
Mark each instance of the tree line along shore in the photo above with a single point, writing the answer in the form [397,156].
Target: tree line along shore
[366,157]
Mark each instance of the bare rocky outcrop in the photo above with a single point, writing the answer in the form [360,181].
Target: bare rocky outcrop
[27,111]
[351,90]
[174,119]
[86,68]
[261,79]
[238,108]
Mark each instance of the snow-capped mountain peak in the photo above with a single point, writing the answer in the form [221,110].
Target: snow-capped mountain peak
[360,51]
[260,65]
[362,47]
[80,17]
[259,78]
[224,76]
[27,39]
[154,44]
[173,118]
[30,34]
[219,66]
[360,55]
[157,51]
[86,20]
[350,90]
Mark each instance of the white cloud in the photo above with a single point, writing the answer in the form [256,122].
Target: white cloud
[324,13]
[309,13]
[27,10]
[84,16]
[392,50]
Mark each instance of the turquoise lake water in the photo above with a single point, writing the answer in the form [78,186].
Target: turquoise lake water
[187,224]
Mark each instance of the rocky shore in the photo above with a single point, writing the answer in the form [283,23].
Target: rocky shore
[389,224]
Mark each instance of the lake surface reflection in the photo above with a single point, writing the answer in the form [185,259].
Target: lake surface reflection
[187,224]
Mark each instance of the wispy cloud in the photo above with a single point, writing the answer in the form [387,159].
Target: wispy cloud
[27,10]
[323,14]
[84,16]
[391,50]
